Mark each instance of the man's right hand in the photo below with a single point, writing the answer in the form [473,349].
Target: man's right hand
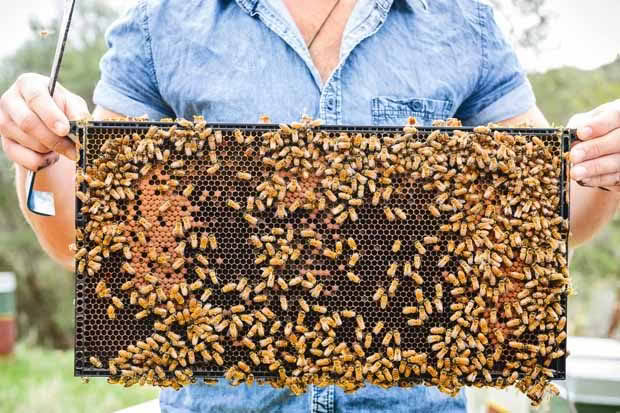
[33,126]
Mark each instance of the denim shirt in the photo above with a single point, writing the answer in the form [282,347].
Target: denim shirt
[232,61]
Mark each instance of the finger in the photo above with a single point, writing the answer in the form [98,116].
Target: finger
[76,108]
[594,148]
[578,120]
[607,180]
[604,165]
[27,158]
[32,126]
[36,95]
[581,119]
[601,123]
[9,129]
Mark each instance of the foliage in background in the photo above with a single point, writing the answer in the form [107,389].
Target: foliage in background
[563,92]
[45,291]
[527,20]
[80,65]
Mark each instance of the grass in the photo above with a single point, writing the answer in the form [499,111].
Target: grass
[37,380]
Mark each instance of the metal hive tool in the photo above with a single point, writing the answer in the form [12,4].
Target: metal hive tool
[41,202]
[96,335]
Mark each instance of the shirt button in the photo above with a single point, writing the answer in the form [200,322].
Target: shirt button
[417,105]
[330,103]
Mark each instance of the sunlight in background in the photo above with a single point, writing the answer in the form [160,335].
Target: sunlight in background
[583,34]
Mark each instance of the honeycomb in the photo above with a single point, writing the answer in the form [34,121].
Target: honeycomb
[306,253]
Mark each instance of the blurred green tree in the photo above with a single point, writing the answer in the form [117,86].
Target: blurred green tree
[565,91]
[527,20]
[45,291]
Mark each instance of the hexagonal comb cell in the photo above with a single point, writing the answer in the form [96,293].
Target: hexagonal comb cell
[317,254]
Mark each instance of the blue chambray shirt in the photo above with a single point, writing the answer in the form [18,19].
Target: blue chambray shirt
[233,61]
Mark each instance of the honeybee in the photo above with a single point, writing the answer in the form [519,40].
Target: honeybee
[340,219]
[419,247]
[330,254]
[315,243]
[347,313]
[178,263]
[117,303]
[164,206]
[417,278]
[111,311]
[396,246]
[443,261]
[319,309]
[419,295]
[280,211]
[391,271]
[353,259]
[147,225]
[308,233]
[212,241]
[353,277]
[232,204]
[417,261]
[393,287]
[95,362]
[212,170]
[434,211]
[352,215]
[126,267]
[383,302]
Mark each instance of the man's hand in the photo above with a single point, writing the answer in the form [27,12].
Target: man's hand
[34,126]
[596,160]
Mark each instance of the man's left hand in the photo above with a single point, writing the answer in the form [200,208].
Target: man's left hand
[596,160]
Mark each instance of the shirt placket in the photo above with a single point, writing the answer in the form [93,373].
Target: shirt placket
[362,24]
[277,20]
[367,18]
[322,399]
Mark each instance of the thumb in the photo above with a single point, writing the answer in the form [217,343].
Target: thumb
[76,108]
[597,123]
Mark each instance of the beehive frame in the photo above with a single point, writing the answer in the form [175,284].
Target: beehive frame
[99,336]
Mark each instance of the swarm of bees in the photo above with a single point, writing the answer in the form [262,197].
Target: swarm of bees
[476,298]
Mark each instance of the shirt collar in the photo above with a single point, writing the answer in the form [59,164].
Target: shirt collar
[247,5]
[250,5]
[418,3]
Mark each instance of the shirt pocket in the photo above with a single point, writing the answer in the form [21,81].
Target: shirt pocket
[388,110]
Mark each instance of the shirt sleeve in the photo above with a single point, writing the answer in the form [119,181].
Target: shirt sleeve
[128,83]
[503,90]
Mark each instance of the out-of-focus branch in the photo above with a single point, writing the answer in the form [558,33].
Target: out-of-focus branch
[528,20]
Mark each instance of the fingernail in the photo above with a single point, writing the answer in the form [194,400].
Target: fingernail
[49,160]
[578,172]
[577,155]
[61,128]
[584,133]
